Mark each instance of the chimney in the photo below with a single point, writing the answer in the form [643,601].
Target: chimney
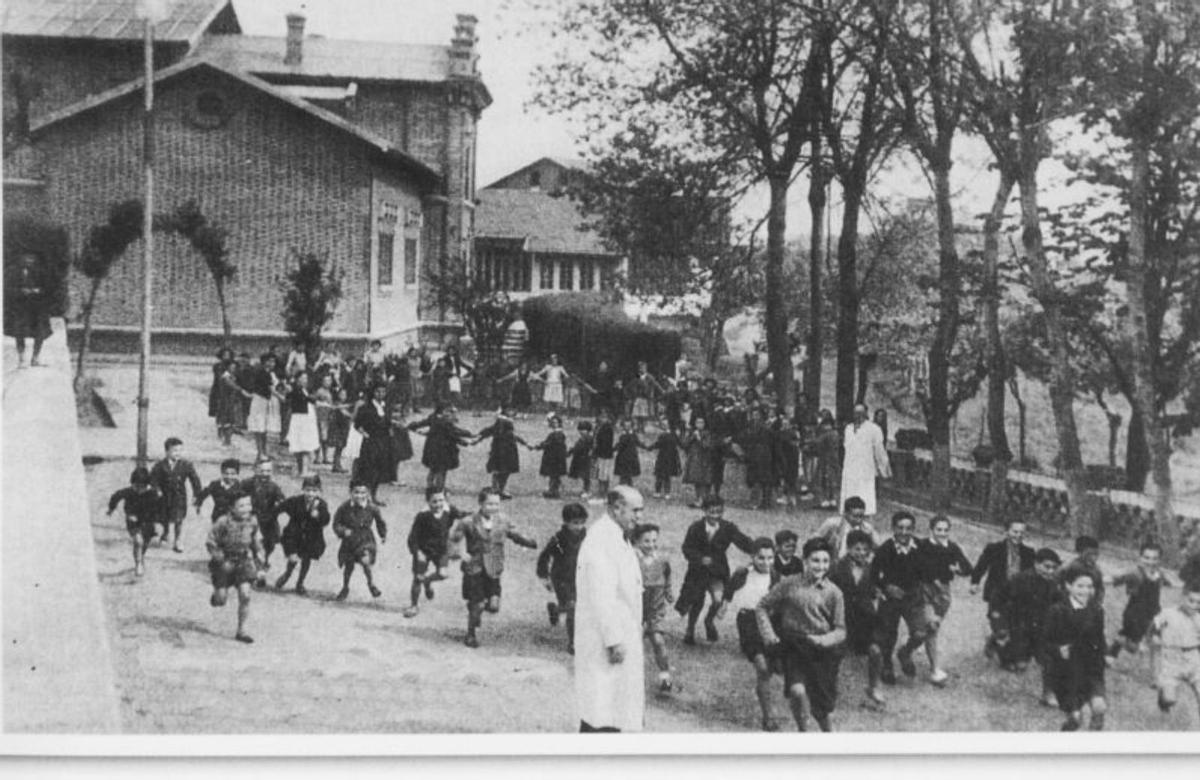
[462,47]
[295,39]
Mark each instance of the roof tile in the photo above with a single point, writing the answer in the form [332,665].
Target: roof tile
[105,19]
[548,223]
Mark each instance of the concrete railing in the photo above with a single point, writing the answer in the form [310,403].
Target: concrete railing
[58,670]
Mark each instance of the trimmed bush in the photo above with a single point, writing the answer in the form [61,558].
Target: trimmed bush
[586,328]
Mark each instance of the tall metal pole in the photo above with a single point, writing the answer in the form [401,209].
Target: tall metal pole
[143,403]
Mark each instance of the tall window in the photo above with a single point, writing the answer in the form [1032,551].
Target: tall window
[546,274]
[385,247]
[587,275]
[410,261]
[566,275]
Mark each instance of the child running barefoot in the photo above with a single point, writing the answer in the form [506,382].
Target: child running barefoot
[1075,635]
[746,589]
[221,490]
[484,535]
[142,509]
[556,568]
[1144,587]
[1175,647]
[944,560]
[429,543]
[234,561]
[812,627]
[354,523]
[656,595]
[554,457]
[304,537]
[704,547]
[581,459]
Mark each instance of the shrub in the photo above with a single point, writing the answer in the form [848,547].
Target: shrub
[310,298]
[586,328]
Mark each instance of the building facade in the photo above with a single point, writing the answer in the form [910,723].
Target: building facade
[359,152]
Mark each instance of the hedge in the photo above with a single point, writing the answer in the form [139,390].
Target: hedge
[586,328]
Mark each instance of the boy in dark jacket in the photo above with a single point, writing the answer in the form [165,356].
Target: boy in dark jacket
[896,572]
[999,562]
[704,547]
[1075,635]
[556,568]
[171,477]
[428,541]
[221,490]
[1024,605]
[143,506]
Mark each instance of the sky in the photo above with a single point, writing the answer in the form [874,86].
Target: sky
[514,39]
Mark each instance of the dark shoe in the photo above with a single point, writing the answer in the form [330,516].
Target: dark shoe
[471,641]
[906,663]
[342,594]
[301,590]
[506,496]
[376,592]
[1070,724]
[688,639]
[244,638]
[552,612]
[710,632]
[887,676]
[428,590]
[410,612]
[212,600]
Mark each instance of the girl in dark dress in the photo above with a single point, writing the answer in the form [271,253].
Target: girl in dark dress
[402,448]
[520,397]
[341,414]
[442,442]
[504,459]
[698,465]
[1075,637]
[224,358]
[627,465]
[374,464]
[666,463]
[554,457]
[581,458]
[755,441]
[354,523]
[304,537]
[229,402]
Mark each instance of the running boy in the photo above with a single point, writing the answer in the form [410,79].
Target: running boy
[704,547]
[852,575]
[787,562]
[429,543]
[354,523]
[142,508]
[483,536]
[1075,635]
[234,550]
[304,537]
[265,498]
[171,476]
[556,567]
[1175,647]
[944,560]
[896,572]
[747,587]
[221,490]
[656,595]
[1144,587]
[1024,606]
[811,617]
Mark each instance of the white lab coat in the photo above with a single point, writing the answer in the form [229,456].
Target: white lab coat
[865,458]
[608,611]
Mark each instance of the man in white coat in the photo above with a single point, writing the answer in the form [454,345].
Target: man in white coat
[609,670]
[865,458]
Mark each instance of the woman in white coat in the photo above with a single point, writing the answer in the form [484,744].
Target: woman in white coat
[609,668]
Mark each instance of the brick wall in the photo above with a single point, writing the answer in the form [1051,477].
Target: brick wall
[276,178]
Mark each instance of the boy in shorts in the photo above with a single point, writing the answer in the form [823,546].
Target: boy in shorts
[556,567]
[1075,636]
[483,536]
[896,572]
[656,594]
[354,523]
[746,588]
[1143,585]
[235,558]
[811,616]
[142,509]
[944,560]
[429,543]
[1175,647]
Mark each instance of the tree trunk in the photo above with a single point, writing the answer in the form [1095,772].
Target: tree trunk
[816,258]
[88,307]
[226,326]
[1081,518]
[1145,381]
[712,326]
[778,348]
[866,362]
[949,284]
[1114,429]
[1015,388]
[1137,454]
[993,508]
[847,287]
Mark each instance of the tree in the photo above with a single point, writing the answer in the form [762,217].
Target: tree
[738,74]
[101,250]
[310,298]
[486,315]
[208,241]
[931,93]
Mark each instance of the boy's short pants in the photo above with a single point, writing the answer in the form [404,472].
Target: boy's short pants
[420,567]
[749,638]
[1178,667]
[564,594]
[232,572]
[479,587]
[654,610]
[910,609]
[1135,624]
[936,596]
[817,669]
[144,528]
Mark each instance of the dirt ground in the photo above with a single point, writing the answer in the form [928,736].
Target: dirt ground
[320,666]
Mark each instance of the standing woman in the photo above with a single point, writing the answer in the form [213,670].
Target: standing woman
[303,437]
[27,297]
[229,400]
[552,375]
[264,406]
[224,358]
[374,464]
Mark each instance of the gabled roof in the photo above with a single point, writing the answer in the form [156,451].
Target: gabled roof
[546,223]
[566,163]
[109,20]
[379,144]
[330,58]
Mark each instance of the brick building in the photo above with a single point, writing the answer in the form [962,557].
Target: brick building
[362,152]
[531,238]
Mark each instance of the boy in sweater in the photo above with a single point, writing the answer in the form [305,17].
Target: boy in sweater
[428,541]
[556,568]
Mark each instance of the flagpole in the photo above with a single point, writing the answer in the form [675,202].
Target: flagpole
[143,402]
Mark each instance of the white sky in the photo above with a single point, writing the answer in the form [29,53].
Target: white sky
[513,40]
